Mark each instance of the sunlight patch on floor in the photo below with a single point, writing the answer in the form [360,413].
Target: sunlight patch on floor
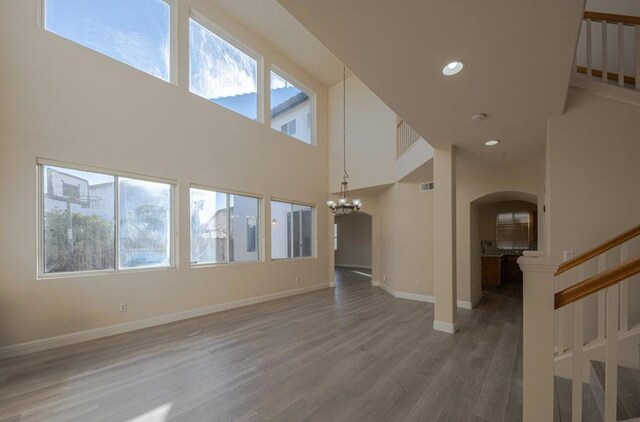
[159,414]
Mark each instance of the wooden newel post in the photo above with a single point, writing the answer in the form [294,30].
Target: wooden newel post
[538,333]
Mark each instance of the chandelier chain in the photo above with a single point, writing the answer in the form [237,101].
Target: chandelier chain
[344,121]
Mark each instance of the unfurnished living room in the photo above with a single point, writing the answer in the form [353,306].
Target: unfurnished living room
[337,210]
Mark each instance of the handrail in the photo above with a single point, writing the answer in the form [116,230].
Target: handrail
[399,123]
[612,18]
[599,250]
[597,282]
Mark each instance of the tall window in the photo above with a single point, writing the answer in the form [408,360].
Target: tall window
[222,73]
[291,230]
[291,109]
[513,230]
[80,218]
[135,32]
[224,227]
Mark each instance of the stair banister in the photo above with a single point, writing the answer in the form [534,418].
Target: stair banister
[545,310]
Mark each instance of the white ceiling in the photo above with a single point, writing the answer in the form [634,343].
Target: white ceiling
[518,54]
[269,20]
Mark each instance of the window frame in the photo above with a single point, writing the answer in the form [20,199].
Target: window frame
[173,40]
[226,36]
[260,231]
[313,229]
[312,103]
[40,237]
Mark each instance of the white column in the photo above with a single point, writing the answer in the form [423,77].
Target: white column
[538,332]
[444,235]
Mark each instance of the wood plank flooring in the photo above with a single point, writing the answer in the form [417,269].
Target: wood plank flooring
[350,354]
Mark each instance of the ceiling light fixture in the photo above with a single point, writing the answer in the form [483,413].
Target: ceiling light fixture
[344,205]
[453,68]
[492,142]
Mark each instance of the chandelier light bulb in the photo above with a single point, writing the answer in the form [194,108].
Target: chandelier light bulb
[342,201]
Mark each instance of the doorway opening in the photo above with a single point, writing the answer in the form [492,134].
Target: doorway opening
[503,226]
[352,241]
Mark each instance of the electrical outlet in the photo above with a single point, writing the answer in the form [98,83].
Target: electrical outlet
[568,255]
[123,307]
[384,278]
[417,283]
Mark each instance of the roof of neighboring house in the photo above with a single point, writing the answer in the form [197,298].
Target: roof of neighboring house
[300,98]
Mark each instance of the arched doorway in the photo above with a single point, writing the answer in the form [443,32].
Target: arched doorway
[503,225]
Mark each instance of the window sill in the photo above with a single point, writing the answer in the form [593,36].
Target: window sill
[305,258]
[226,264]
[52,276]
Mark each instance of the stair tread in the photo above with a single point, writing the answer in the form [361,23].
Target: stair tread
[562,400]
[628,389]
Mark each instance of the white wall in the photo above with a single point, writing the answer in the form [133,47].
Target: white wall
[371,137]
[354,241]
[65,102]
[594,177]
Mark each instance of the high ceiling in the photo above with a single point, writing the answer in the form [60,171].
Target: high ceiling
[518,54]
[273,23]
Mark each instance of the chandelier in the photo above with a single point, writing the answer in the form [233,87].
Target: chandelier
[344,204]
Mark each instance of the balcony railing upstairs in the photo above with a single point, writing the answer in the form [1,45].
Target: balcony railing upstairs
[406,136]
[609,49]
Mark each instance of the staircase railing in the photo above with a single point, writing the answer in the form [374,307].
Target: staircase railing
[552,312]
[405,138]
[597,49]
[613,314]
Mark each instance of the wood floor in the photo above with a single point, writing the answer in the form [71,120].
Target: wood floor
[350,354]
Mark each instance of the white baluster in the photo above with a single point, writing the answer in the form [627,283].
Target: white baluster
[605,57]
[562,316]
[621,54]
[602,266]
[576,363]
[611,355]
[589,69]
[637,28]
[624,293]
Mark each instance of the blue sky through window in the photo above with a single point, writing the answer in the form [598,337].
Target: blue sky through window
[222,73]
[136,32]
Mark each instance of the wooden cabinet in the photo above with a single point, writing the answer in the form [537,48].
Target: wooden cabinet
[491,270]
[499,269]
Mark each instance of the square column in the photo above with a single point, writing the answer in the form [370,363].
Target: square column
[444,237]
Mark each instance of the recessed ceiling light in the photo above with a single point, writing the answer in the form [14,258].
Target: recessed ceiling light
[452,68]
[492,142]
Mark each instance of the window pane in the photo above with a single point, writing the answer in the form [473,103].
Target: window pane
[306,229]
[221,72]
[79,232]
[135,32]
[208,227]
[280,234]
[145,223]
[243,243]
[290,109]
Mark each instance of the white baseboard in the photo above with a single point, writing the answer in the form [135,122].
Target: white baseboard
[467,304]
[332,284]
[415,296]
[446,327]
[419,297]
[366,267]
[86,335]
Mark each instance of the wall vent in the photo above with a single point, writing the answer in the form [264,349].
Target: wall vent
[426,187]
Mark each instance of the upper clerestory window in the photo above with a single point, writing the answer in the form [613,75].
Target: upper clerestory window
[221,72]
[291,109]
[135,32]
